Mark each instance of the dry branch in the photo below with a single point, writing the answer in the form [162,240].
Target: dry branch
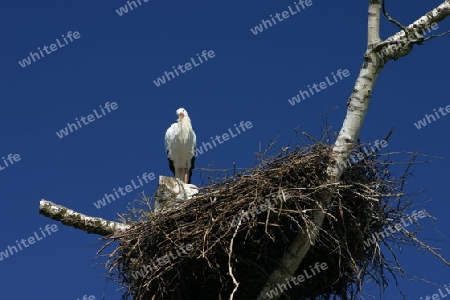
[79,221]
[171,191]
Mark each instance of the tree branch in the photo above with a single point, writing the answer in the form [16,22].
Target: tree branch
[79,221]
[400,44]
[168,195]
[383,6]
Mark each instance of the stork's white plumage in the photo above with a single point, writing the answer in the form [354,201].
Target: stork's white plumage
[180,142]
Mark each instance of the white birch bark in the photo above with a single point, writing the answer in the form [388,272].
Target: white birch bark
[396,46]
[80,221]
[171,191]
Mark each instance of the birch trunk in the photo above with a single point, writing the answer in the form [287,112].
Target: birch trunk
[394,47]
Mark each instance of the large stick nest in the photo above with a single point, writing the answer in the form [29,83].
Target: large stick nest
[246,223]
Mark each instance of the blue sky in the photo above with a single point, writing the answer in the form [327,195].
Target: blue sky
[116,58]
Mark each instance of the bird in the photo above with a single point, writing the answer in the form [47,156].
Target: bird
[180,141]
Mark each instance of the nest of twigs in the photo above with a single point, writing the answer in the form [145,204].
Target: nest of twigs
[245,224]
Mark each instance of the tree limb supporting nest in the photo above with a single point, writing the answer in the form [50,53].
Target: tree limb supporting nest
[78,220]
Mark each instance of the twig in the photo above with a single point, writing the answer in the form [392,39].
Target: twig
[230,268]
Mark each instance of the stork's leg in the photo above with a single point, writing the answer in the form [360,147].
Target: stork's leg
[186,175]
[179,174]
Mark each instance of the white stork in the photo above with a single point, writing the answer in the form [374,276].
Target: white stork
[180,146]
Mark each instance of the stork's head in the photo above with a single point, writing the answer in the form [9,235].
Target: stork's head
[181,113]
